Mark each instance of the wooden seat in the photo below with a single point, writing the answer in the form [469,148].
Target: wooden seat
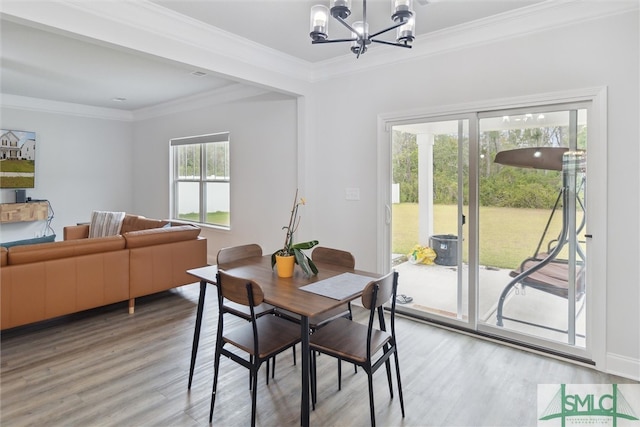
[261,339]
[363,345]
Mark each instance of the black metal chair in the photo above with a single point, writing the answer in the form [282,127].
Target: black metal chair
[333,256]
[363,345]
[236,253]
[261,339]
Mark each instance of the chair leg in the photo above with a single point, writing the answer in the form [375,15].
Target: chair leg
[273,368]
[268,364]
[313,379]
[250,376]
[254,394]
[216,366]
[294,354]
[395,355]
[388,365]
[371,405]
[339,374]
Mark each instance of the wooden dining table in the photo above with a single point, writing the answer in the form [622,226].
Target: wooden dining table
[284,293]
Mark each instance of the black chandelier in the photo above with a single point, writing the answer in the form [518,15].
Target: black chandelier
[402,15]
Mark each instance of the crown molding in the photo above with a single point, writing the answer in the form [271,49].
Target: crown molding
[147,27]
[190,103]
[56,107]
[528,20]
[203,100]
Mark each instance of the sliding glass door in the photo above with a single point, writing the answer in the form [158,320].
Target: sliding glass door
[532,222]
[429,209]
[488,223]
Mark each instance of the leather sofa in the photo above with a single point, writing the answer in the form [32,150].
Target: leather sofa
[47,280]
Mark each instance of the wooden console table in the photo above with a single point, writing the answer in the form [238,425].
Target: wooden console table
[21,212]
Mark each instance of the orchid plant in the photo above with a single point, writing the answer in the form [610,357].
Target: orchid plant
[295,249]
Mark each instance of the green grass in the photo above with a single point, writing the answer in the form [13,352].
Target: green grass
[25,166]
[215,218]
[16,182]
[22,166]
[507,235]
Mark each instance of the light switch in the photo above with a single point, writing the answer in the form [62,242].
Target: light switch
[352,193]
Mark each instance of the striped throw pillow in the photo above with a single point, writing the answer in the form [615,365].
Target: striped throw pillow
[105,223]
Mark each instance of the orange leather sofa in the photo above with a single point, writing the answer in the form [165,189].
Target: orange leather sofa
[47,280]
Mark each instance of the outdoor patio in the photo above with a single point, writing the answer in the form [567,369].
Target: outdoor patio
[434,290]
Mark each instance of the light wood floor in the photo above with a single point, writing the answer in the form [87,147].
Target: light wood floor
[108,368]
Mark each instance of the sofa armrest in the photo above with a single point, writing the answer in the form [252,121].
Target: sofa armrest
[75,232]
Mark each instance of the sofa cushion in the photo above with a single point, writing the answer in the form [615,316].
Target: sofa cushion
[137,222]
[3,255]
[105,223]
[158,236]
[63,249]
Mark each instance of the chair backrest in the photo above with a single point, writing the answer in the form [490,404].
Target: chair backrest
[235,253]
[384,289]
[235,289]
[333,256]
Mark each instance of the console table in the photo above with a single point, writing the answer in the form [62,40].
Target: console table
[22,212]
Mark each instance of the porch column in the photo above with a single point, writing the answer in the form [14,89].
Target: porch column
[425,187]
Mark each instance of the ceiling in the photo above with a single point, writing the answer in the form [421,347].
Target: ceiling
[46,63]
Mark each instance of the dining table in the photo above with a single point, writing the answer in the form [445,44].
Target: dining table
[307,296]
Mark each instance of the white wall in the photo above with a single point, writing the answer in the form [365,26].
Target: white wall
[591,54]
[82,164]
[340,149]
[263,166]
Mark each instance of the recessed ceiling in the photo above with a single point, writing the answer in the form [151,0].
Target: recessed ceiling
[46,63]
[284,24]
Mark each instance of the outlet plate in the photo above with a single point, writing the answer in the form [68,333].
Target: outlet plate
[352,193]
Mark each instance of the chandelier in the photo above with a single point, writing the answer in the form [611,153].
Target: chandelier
[402,15]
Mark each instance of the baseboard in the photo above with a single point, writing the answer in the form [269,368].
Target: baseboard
[623,366]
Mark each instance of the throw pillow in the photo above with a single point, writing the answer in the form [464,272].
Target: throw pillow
[105,223]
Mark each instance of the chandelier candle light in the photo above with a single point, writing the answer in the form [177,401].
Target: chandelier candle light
[402,15]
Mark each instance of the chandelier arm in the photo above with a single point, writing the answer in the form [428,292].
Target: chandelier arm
[332,41]
[402,22]
[346,24]
[408,46]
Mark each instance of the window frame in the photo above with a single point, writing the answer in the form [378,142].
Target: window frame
[201,141]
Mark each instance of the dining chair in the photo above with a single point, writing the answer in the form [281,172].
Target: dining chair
[236,253]
[261,339]
[364,345]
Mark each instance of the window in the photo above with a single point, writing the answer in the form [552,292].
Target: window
[201,179]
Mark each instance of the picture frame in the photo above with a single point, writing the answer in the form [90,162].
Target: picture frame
[17,159]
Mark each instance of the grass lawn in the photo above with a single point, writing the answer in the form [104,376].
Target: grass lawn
[19,166]
[215,218]
[507,235]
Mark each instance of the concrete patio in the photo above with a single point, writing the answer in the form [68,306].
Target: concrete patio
[434,291]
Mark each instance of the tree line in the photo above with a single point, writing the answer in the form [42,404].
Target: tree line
[500,185]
